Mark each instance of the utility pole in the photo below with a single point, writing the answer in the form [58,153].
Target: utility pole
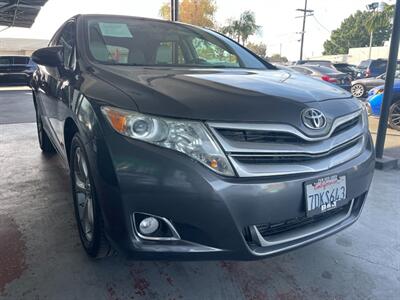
[388,94]
[372,7]
[174,10]
[306,13]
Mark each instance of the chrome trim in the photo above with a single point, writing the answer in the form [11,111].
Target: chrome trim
[175,234]
[315,154]
[252,170]
[301,232]
[314,148]
[320,147]
[282,127]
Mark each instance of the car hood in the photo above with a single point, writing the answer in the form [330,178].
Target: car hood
[219,94]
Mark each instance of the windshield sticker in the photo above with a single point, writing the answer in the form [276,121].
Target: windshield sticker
[115,30]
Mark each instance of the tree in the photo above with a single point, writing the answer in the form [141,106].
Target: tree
[380,19]
[354,31]
[260,49]
[196,12]
[278,58]
[243,28]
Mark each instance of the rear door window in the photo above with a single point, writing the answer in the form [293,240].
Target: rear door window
[379,65]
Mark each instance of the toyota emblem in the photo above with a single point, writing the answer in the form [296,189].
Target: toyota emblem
[313,118]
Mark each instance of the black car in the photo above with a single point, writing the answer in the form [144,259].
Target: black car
[183,144]
[342,80]
[349,69]
[16,70]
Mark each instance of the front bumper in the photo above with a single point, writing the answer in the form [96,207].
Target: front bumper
[211,213]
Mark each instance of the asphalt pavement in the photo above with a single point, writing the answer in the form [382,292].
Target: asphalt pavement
[16,106]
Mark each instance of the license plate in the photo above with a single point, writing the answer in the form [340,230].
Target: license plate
[325,194]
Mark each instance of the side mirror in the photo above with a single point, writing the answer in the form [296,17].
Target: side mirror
[50,56]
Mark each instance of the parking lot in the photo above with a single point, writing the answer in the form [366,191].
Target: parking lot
[41,256]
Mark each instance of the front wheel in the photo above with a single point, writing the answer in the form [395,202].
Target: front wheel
[358,90]
[394,115]
[87,210]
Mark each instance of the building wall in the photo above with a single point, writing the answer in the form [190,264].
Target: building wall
[356,55]
[13,46]
[16,52]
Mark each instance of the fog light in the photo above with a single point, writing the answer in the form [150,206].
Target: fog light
[148,225]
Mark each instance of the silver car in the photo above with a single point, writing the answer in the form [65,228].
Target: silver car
[360,87]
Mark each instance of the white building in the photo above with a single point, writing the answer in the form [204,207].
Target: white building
[14,46]
[356,55]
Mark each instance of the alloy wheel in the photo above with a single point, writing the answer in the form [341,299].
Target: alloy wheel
[394,117]
[84,195]
[358,90]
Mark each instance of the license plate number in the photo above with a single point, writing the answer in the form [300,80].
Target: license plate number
[325,194]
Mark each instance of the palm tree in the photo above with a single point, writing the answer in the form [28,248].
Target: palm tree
[248,25]
[243,28]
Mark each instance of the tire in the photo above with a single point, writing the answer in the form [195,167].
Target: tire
[394,115]
[44,140]
[87,211]
[358,90]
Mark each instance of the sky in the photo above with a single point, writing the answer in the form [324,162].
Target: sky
[277,18]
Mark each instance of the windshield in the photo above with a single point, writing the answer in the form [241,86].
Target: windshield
[129,41]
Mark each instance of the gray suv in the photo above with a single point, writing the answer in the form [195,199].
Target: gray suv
[181,143]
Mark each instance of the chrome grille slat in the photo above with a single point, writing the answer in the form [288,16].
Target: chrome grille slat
[318,145]
[255,154]
[286,128]
[325,163]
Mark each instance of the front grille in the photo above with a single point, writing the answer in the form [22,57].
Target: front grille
[259,136]
[281,149]
[346,126]
[262,136]
[277,158]
[271,229]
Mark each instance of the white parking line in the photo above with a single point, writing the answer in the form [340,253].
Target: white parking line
[15,88]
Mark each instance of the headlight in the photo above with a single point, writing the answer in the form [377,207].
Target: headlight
[189,137]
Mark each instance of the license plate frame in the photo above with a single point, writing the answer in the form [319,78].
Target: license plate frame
[332,189]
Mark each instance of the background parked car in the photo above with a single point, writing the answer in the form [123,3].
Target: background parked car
[375,102]
[372,67]
[343,80]
[346,68]
[16,70]
[360,87]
